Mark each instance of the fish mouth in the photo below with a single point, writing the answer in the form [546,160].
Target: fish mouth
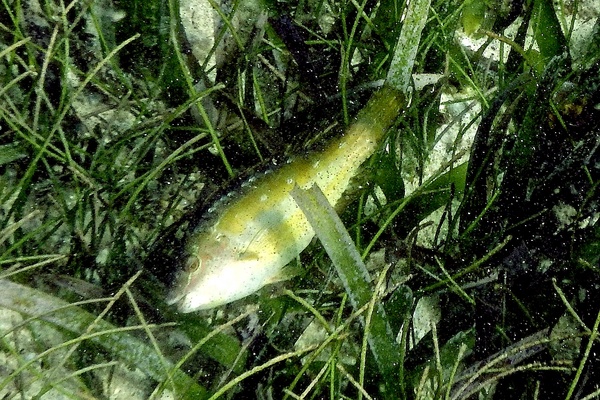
[180,301]
[174,296]
[179,289]
[185,305]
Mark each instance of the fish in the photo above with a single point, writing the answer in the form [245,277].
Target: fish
[244,241]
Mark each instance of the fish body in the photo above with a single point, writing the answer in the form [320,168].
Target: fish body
[244,243]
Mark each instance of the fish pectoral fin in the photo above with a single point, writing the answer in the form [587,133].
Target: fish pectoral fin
[248,256]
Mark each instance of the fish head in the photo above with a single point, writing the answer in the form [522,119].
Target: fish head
[216,271]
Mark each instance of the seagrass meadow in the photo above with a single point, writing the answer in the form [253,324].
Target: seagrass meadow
[461,261]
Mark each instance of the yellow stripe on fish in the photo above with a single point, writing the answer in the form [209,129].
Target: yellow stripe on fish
[245,243]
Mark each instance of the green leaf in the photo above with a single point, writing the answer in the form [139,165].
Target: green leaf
[547,32]
[388,177]
[473,15]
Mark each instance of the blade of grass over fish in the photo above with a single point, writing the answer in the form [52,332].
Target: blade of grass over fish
[339,246]
[56,312]
[354,275]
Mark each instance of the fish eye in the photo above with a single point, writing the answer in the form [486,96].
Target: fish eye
[193,264]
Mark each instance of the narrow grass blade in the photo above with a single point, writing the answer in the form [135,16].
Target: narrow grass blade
[400,72]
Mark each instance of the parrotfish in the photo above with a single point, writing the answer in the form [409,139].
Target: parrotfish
[245,242]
